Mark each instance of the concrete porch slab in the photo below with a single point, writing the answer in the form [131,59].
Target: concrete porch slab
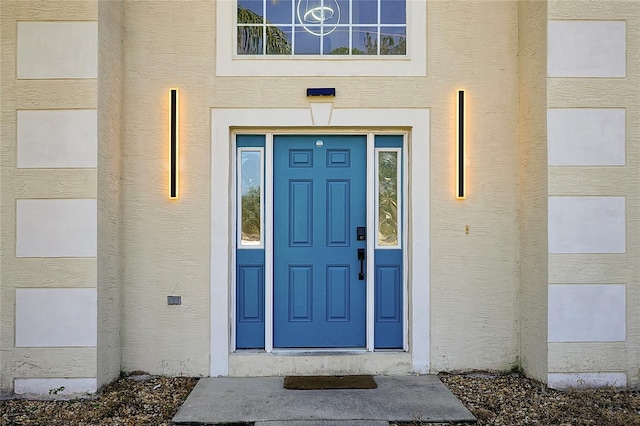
[219,400]
[323,423]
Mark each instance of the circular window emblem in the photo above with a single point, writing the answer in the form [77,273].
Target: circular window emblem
[319,17]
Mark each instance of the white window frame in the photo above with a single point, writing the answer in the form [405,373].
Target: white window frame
[229,63]
[241,245]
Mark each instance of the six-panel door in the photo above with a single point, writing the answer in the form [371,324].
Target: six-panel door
[319,198]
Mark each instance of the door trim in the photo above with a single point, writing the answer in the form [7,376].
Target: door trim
[226,121]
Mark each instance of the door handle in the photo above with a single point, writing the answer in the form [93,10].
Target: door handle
[361,259]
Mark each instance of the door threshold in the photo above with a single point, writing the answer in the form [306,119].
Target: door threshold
[306,362]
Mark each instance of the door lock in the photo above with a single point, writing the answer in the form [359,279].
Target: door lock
[361,259]
[361,233]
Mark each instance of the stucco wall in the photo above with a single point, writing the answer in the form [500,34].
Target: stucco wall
[474,280]
[532,129]
[594,282]
[165,244]
[51,184]
[110,85]
[489,298]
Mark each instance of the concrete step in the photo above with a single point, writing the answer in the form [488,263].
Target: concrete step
[322,423]
[224,400]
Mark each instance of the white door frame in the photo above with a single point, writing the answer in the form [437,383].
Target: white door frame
[320,117]
[370,245]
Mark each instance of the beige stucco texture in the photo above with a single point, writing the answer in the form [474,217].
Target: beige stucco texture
[586,267]
[491,272]
[166,243]
[474,281]
[532,135]
[66,274]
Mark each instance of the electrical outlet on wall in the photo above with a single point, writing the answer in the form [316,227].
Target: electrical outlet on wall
[174,300]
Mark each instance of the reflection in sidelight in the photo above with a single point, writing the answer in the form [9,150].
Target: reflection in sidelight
[388,186]
[250,212]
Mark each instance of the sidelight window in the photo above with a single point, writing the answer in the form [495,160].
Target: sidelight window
[250,197]
[388,187]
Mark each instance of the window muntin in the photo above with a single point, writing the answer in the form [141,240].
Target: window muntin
[250,190]
[322,27]
[388,197]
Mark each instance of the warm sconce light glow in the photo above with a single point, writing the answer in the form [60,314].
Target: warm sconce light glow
[173,143]
[460,145]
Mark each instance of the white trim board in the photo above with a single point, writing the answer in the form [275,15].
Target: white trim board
[62,386]
[222,238]
[587,380]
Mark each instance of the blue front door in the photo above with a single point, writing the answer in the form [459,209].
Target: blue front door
[319,198]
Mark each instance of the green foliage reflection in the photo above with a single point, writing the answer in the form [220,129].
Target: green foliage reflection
[250,38]
[250,184]
[388,198]
[251,215]
[388,44]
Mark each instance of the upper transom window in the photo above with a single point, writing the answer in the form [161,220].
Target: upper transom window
[322,27]
[396,30]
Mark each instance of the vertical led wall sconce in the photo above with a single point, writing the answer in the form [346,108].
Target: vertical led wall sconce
[460,145]
[173,143]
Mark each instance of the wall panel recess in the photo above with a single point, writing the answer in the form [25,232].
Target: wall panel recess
[56,228]
[56,317]
[587,313]
[57,138]
[587,225]
[586,136]
[586,48]
[52,50]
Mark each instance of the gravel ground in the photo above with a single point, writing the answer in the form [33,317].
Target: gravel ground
[511,399]
[493,398]
[138,400]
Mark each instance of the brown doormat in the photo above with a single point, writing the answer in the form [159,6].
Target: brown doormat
[329,382]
